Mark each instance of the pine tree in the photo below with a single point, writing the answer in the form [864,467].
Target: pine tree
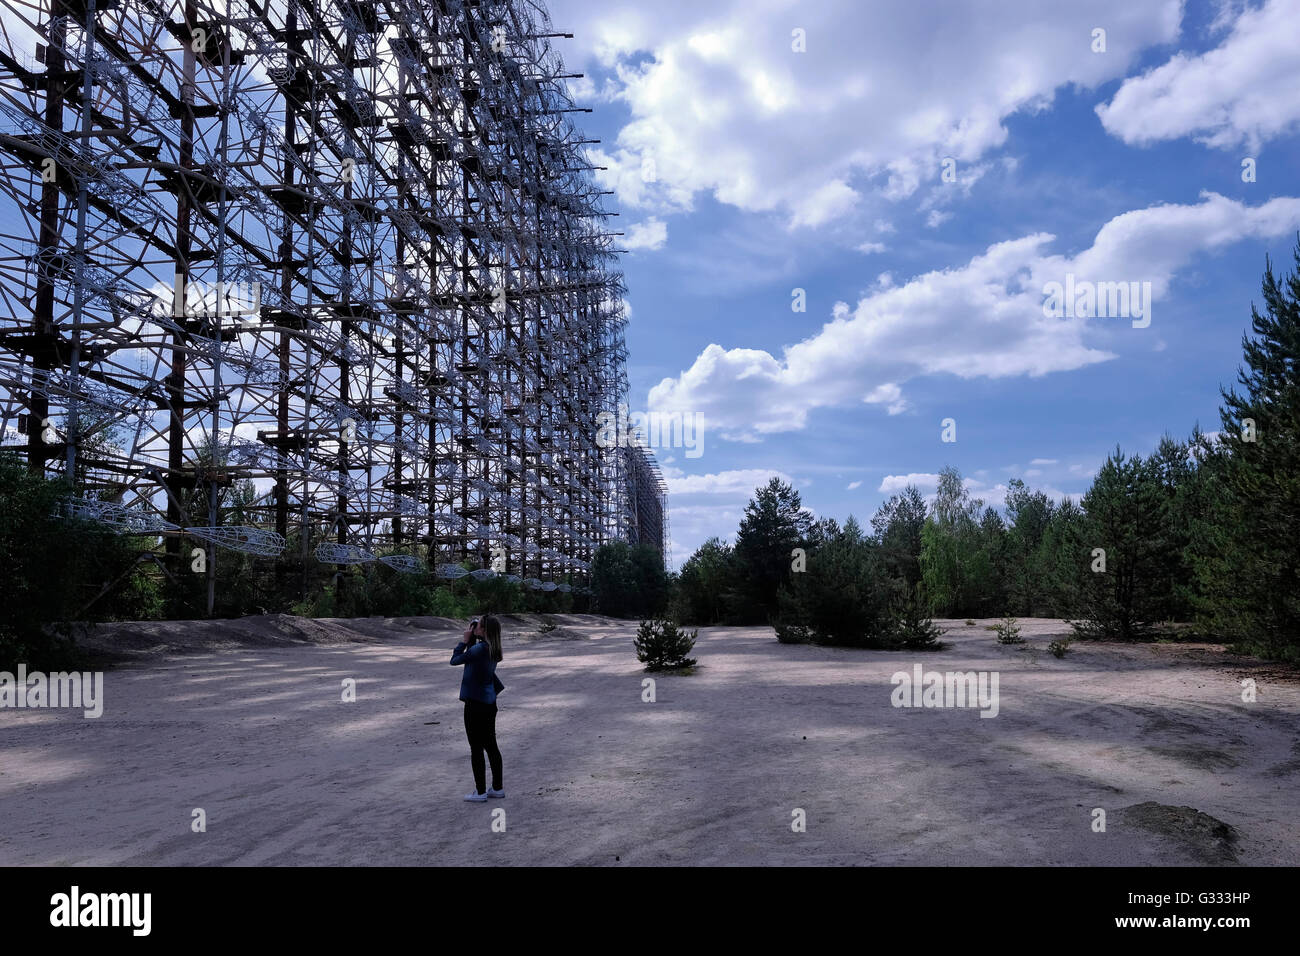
[775,523]
[706,585]
[662,645]
[1122,526]
[910,628]
[1060,561]
[897,526]
[990,584]
[1029,514]
[1247,558]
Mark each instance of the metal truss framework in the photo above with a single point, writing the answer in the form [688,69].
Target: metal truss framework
[348,249]
[645,506]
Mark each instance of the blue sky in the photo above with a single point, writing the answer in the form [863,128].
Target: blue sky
[822,170]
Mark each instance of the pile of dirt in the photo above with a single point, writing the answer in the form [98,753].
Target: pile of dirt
[145,639]
[1201,836]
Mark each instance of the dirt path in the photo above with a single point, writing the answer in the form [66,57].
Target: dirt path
[711,772]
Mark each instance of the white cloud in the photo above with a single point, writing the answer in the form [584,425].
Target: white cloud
[853,485]
[892,484]
[937,218]
[1045,461]
[945,194]
[982,319]
[651,234]
[830,201]
[739,481]
[1243,92]
[718,98]
[869,248]
[585,92]
[904,179]
[889,395]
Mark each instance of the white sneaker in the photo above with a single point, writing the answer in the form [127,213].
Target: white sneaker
[476,797]
[498,794]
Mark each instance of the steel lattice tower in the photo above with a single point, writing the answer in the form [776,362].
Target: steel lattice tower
[348,250]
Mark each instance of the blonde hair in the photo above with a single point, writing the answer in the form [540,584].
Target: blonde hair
[492,634]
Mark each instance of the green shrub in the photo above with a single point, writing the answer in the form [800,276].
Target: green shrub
[1008,632]
[788,633]
[910,628]
[443,602]
[1058,648]
[662,645]
[57,571]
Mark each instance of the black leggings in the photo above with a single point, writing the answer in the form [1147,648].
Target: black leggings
[481,729]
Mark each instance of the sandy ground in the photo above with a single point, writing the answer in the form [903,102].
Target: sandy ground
[245,720]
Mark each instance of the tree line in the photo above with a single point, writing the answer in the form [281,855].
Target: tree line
[1204,531]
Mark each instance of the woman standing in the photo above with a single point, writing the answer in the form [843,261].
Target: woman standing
[480,652]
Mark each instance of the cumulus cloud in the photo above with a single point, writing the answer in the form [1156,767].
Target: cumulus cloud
[651,234]
[981,319]
[737,482]
[1240,93]
[889,395]
[853,485]
[893,484]
[824,204]
[724,106]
